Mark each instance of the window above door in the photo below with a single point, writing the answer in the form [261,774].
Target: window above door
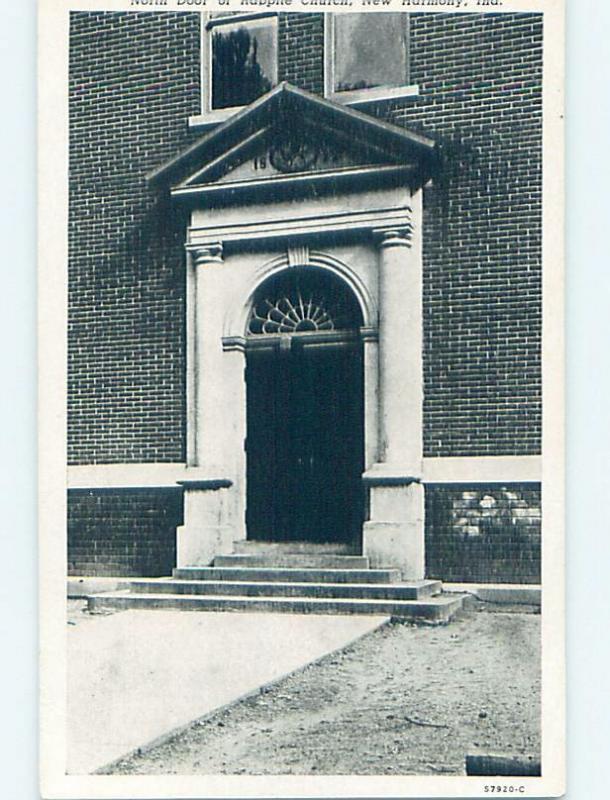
[367,57]
[239,61]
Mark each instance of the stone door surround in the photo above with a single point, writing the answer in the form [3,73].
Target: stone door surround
[355,212]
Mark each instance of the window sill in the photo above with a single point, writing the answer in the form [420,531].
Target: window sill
[361,97]
[211,118]
[356,99]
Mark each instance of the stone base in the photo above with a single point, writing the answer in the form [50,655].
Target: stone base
[198,547]
[397,545]
[394,537]
[208,529]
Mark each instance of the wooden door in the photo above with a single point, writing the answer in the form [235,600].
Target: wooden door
[305,443]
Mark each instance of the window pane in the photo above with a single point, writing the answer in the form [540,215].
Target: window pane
[243,62]
[370,50]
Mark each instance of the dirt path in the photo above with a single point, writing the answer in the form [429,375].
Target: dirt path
[403,700]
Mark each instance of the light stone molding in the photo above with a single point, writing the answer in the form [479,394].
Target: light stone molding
[127,476]
[448,469]
[483,469]
[236,319]
[326,177]
[356,220]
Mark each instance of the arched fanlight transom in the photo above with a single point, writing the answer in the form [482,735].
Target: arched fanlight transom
[303,300]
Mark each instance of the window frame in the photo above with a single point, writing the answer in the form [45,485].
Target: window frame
[208,24]
[360,96]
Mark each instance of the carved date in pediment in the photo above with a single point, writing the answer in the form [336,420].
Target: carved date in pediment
[282,154]
[289,155]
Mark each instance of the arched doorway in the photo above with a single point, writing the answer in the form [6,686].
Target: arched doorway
[305,410]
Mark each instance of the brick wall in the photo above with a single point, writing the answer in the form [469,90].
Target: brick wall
[134,80]
[480,82]
[483,533]
[130,532]
[301,51]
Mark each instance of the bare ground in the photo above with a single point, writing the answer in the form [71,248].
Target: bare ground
[404,700]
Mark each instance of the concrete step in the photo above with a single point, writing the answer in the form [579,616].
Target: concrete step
[432,610]
[294,560]
[254,547]
[287,575]
[415,590]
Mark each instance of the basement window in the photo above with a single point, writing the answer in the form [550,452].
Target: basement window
[241,59]
[367,57]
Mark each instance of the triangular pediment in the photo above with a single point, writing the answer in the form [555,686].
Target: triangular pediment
[289,132]
[276,151]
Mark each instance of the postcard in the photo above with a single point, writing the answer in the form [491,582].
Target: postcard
[301,398]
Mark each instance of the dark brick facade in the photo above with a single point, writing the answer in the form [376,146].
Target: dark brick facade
[483,533]
[134,82]
[480,79]
[480,98]
[127,532]
[301,51]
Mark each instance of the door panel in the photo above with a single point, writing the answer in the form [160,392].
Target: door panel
[305,444]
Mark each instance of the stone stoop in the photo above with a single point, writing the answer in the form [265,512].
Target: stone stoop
[296,583]
[288,560]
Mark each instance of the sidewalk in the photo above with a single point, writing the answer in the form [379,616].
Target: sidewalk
[135,676]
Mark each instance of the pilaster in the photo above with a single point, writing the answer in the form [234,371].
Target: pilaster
[394,533]
[209,491]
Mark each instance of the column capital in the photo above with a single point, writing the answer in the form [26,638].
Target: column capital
[207,254]
[393,237]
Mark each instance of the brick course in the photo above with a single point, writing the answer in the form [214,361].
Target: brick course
[123,532]
[301,51]
[483,533]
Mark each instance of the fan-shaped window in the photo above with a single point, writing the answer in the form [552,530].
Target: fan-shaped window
[304,300]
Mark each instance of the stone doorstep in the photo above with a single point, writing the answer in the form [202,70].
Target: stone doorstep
[266,547]
[80,587]
[502,593]
[287,560]
[288,574]
[415,590]
[433,610]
